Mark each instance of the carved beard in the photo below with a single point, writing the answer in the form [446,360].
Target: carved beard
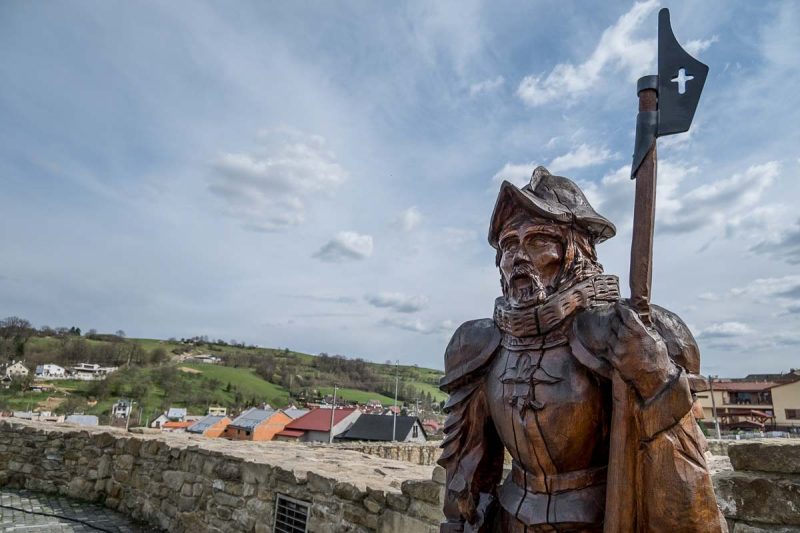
[531,292]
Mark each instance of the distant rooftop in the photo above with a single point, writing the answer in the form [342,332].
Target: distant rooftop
[319,419]
[252,417]
[379,428]
[204,423]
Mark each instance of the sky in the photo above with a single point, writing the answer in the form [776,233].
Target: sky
[320,175]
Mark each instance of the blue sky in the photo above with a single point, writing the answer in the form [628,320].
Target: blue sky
[321,175]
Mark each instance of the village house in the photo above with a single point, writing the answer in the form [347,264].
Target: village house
[91,371]
[256,424]
[210,426]
[295,413]
[171,426]
[754,405]
[383,428]
[315,426]
[50,371]
[16,369]
[121,409]
[82,420]
[216,410]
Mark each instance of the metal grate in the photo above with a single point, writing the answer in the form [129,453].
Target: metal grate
[291,516]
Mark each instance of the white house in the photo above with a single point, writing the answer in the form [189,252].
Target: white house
[50,371]
[90,371]
[16,370]
[121,409]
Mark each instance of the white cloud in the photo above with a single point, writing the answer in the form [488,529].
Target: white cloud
[346,245]
[725,330]
[785,244]
[581,157]
[418,326]
[488,85]
[397,301]
[267,188]
[784,286]
[617,51]
[409,219]
[695,46]
[518,174]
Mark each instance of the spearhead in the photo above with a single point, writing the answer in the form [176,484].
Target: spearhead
[679,82]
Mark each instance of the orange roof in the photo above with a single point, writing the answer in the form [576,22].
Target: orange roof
[177,425]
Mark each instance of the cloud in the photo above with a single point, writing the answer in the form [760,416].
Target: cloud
[729,203]
[581,157]
[785,246]
[267,188]
[695,46]
[724,330]
[346,246]
[518,174]
[617,51]
[785,286]
[418,326]
[397,301]
[486,86]
[409,219]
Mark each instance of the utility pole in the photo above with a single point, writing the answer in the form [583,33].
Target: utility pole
[394,411]
[333,409]
[714,404]
[128,420]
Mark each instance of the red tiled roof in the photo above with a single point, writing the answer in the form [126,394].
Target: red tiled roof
[319,419]
[743,386]
[290,433]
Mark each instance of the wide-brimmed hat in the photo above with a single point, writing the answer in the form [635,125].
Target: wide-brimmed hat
[552,197]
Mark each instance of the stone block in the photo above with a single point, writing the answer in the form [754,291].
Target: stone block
[774,455]
[372,506]
[173,479]
[439,475]
[320,484]
[759,497]
[359,516]
[398,502]
[426,511]
[348,491]
[395,522]
[423,489]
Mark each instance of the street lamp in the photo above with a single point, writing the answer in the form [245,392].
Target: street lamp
[714,404]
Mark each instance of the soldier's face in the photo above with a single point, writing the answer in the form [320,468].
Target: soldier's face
[532,254]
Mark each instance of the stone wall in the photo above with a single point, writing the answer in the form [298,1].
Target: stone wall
[415,453]
[762,493]
[180,482]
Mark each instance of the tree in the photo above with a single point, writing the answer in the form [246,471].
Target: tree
[120,333]
[15,331]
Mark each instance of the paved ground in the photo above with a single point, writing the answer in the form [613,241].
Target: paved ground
[30,512]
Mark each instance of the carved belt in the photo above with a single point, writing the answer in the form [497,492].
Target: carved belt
[538,320]
[577,479]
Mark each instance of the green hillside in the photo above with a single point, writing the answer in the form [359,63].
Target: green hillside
[155,375]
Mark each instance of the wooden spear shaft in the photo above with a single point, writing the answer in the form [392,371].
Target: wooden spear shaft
[644,215]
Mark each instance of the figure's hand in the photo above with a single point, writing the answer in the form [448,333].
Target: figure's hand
[617,334]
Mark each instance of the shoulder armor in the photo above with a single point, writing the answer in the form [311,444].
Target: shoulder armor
[470,349]
[682,347]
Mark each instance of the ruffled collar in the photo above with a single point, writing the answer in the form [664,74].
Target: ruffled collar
[538,320]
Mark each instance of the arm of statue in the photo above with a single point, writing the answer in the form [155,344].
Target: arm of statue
[670,466]
[473,452]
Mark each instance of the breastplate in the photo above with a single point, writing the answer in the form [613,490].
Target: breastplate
[552,415]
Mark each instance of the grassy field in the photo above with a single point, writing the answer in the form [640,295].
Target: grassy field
[245,380]
[353,395]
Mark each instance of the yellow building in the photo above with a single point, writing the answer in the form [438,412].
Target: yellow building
[753,405]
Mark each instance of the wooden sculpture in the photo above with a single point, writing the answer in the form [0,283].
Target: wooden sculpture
[593,405]
[590,394]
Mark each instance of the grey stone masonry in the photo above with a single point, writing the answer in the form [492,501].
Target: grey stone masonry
[185,483]
[762,493]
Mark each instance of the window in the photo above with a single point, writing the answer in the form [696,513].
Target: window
[247,433]
[415,432]
[291,516]
[793,414]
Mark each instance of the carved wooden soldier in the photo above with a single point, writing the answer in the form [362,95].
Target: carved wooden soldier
[536,380]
